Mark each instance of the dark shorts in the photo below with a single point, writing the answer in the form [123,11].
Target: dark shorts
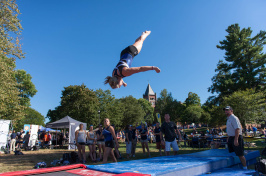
[239,150]
[81,143]
[109,144]
[132,50]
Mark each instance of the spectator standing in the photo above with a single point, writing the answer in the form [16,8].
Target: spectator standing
[157,133]
[67,135]
[26,140]
[234,131]
[143,139]
[185,137]
[109,135]
[42,138]
[100,141]
[128,140]
[91,143]
[20,139]
[13,138]
[169,129]
[80,137]
[47,138]
[134,141]
[254,129]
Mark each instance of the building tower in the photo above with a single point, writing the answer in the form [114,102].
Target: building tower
[150,96]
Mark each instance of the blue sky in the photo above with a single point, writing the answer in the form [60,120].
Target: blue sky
[71,42]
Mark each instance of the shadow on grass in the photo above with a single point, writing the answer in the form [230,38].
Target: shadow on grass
[11,162]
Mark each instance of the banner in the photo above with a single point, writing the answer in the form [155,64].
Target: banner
[26,128]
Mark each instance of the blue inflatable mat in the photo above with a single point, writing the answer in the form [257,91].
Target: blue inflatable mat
[188,164]
[231,172]
[250,155]
[167,165]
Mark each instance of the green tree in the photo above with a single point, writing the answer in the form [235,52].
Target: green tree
[192,99]
[109,107]
[205,117]
[132,111]
[167,104]
[78,102]
[10,107]
[26,87]
[192,114]
[245,63]
[10,50]
[10,30]
[148,109]
[248,105]
[31,117]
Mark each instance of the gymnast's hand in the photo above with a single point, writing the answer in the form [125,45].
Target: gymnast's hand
[157,69]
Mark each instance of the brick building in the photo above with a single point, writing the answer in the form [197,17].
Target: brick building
[150,96]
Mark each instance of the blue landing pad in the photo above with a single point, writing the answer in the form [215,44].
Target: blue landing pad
[189,164]
[231,172]
[167,165]
[250,155]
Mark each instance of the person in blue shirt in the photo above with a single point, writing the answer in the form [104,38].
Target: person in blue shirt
[109,134]
[124,69]
[254,129]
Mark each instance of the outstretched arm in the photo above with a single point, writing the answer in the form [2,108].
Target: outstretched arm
[133,70]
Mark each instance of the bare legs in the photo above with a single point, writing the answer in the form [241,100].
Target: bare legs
[101,150]
[108,152]
[145,145]
[92,152]
[81,152]
[139,42]
[243,161]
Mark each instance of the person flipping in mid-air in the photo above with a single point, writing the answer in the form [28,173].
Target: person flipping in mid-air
[124,69]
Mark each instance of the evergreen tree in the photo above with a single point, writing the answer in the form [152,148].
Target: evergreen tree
[244,66]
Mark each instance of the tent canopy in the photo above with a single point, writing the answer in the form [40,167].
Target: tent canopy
[63,123]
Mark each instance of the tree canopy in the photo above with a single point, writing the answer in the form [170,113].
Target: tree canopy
[244,65]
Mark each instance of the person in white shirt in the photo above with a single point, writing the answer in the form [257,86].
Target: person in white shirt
[235,138]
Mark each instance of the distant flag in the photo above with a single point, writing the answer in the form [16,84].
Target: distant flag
[159,118]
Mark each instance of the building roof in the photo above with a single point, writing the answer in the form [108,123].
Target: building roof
[149,91]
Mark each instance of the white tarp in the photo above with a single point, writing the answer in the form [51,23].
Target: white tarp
[33,134]
[4,131]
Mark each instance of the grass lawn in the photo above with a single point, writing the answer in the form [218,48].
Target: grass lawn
[11,162]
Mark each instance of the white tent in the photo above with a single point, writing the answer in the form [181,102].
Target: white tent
[68,122]
[5,126]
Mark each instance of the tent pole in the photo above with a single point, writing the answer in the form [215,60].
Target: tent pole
[56,137]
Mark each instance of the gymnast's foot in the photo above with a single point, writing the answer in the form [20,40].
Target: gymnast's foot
[145,34]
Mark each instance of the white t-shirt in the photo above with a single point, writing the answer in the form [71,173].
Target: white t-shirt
[232,124]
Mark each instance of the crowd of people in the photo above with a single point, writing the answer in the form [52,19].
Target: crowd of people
[106,140]
[18,140]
